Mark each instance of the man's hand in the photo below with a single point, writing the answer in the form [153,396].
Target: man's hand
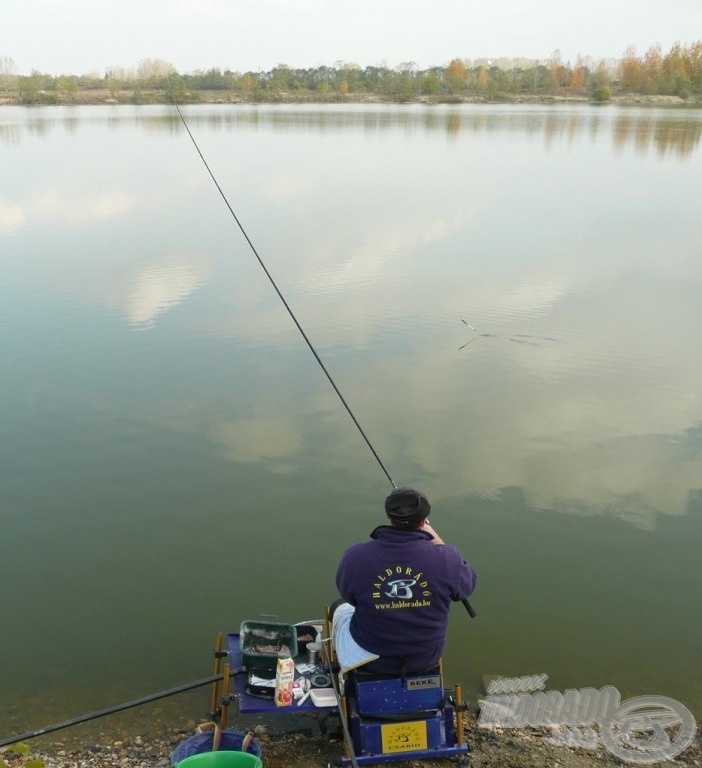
[426,526]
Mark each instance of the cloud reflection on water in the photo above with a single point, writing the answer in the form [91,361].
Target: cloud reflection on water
[12,218]
[156,288]
[487,228]
[590,418]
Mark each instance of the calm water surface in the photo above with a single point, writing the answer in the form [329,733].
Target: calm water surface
[508,297]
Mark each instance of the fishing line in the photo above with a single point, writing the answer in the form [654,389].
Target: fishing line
[281,297]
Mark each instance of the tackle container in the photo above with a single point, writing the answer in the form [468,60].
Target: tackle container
[263,642]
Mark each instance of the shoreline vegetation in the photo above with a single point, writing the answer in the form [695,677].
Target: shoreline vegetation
[671,79]
[156,96]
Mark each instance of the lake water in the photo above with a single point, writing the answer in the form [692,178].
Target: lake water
[507,296]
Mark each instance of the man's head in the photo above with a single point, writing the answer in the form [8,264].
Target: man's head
[407,507]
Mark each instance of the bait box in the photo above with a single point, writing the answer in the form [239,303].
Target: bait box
[262,634]
[304,630]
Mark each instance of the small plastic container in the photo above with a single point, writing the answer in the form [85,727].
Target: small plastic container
[323,697]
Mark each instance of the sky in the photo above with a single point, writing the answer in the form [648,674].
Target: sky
[90,36]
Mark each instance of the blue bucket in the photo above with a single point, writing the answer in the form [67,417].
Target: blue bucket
[201,743]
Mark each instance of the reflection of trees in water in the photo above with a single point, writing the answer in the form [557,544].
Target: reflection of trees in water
[682,138]
[668,135]
[9,134]
[453,124]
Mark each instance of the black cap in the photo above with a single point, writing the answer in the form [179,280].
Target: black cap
[407,506]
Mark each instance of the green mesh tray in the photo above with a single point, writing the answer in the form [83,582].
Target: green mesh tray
[262,643]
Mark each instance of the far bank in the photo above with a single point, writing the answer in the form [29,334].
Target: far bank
[97,97]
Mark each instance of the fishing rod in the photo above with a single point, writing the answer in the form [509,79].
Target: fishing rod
[112,710]
[281,297]
[465,602]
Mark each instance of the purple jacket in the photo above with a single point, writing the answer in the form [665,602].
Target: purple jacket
[402,585]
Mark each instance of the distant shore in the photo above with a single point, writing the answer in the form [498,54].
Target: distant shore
[105,97]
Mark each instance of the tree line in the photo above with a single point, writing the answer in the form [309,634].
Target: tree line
[677,72]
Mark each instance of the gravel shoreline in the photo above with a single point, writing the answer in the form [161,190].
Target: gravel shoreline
[310,748]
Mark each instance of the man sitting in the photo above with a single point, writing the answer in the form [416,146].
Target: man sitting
[396,592]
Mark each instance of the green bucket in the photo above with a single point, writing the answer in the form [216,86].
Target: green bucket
[226,758]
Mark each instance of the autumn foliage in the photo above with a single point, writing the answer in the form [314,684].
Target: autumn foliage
[677,72]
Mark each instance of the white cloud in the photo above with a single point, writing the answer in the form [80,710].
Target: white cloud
[251,440]
[12,217]
[57,203]
[158,287]
[104,205]
[284,187]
